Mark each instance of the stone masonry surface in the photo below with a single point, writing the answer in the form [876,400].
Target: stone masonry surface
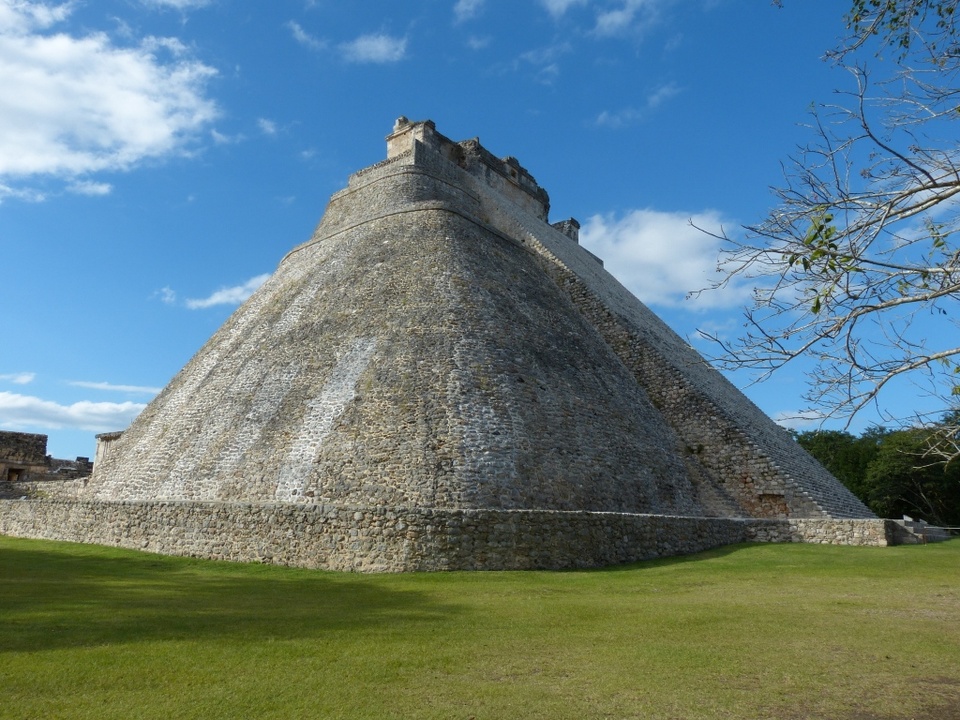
[407,539]
[438,356]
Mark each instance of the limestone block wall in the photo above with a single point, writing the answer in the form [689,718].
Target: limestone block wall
[505,177]
[825,531]
[418,357]
[758,465]
[437,344]
[439,379]
[47,487]
[368,539]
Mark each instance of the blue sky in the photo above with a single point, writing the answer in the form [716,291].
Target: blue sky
[159,157]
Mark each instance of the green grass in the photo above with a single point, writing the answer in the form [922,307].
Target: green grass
[751,631]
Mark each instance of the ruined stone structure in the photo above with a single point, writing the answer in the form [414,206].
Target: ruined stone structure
[23,458]
[440,378]
[25,466]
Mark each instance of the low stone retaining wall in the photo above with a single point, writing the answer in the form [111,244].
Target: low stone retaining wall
[405,539]
[824,531]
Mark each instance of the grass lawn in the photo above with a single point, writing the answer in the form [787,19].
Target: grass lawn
[749,631]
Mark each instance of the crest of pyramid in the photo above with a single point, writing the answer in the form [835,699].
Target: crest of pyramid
[437,343]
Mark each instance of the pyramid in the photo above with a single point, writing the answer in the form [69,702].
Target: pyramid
[437,347]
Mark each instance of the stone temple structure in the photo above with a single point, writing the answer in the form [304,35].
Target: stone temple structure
[439,378]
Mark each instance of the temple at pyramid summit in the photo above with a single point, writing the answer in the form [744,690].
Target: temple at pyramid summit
[441,378]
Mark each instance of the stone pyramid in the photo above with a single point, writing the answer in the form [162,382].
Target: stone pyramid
[438,346]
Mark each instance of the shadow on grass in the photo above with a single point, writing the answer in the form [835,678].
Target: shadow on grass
[72,596]
[712,553]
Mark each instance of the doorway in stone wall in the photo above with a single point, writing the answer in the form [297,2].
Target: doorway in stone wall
[14,474]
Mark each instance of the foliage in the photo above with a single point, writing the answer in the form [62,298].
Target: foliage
[858,266]
[900,484]
[890,472]
[759,631]
[847,457]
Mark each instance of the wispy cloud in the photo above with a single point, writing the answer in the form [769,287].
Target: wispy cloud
[546,60]
[662,256]
[467,9]
[559,7]
[89,187]
[630,115]
[23,194]
[372,48]
[176,4]
[19,411]
[267,127]
[619,118]
[23,378]
[799,419]
[223,139]
[546,55]
[662,94]
[166,295]
[229,295]
[478,43]
[375,48]
[305,38]
[77,105]
[629,16]
[110,387]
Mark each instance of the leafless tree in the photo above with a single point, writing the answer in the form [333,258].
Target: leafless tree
[858,266]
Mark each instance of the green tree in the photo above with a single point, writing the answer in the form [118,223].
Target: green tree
[858,266]
[900,482]
[890,472]
[844,455]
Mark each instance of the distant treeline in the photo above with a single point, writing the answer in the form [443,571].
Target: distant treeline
[888,471]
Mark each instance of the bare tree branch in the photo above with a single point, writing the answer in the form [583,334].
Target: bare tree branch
[858,265]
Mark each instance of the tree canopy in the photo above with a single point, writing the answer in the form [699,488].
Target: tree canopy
[886,469]
[858,265]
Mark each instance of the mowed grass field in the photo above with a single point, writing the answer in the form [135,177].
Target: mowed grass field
[749,631]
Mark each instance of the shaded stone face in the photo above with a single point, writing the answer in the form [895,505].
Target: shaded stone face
[438,345]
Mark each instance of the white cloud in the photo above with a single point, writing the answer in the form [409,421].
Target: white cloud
[220,138]
[176,4]
[267,127]
[559,7]
[619,119]
[71,105]
[167,295]
[662,94]
[630,15]
[466,9]
[478,43]
[22,378]
[24,194]
[140,389]
[546,59]
[305,38]
[546,55]
[229,295]
[372,48]
[376,48]
[628,116]
[799,419]
[88,187]
[21,17]
[661,257]
[20,411]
